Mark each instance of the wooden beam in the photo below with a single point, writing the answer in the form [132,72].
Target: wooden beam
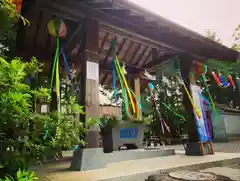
[125,54]
[103,42]
[157,61]
[135,51]
[148,56]
[65,6]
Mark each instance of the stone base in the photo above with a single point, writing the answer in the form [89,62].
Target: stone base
[194,149]
[87,159]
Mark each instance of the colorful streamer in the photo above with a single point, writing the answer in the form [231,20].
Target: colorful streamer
[125,101]
[190,98]
[209,95]
[54,63]
[216,79]
[238,82]
[231,81]
[58,87]
[65,62]
[223,82]
[204,98]
[182,117]
[114,78]
[161,123]
[125,84]
[159,116]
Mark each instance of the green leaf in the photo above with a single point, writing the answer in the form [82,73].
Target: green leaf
[19,174]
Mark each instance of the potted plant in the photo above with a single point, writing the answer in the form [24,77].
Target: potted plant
[106,125]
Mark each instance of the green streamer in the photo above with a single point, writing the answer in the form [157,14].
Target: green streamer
[173,111]
[54,63]
[123,91]
[210,97]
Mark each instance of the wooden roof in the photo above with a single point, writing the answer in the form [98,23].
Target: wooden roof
[143,39]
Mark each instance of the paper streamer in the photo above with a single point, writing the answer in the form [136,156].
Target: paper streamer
[172,110]
[114,80]
[125,84]
[191,100]
[209,95]
[216,79]
[231,81]
[161,123]
[65,62]
[204,98]
[222,79]
[54,63]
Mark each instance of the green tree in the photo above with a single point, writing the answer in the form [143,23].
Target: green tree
[236,39]
[212,35]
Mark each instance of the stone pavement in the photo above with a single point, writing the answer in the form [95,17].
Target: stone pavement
[139,170]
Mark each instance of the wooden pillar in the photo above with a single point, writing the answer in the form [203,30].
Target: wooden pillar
[91,76]
[137,89]
[185,66]
[90,157]
[195,146]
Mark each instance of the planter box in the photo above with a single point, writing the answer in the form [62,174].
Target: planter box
[124,133]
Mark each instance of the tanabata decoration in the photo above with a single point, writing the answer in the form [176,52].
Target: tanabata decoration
[190,98]
[18,5]
[216,79]
[231,81]
[238,82]
[204,79]
[132,112]
[149,76]
[57,28]
[163,124]
[177,66]
[14,8]
[223,82]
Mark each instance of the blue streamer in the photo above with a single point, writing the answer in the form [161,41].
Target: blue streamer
[222,79]
[204,98]
[65,62]
[161,122]
[150,85]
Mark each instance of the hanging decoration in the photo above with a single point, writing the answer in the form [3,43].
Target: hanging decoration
[238,82]
[177,67]
[222,79]
[18,5]
[231,81]
[149,76]
[216,79]
[57,28]
[190,98]
[204,79]
[163,124]
[178,115]
[132,106]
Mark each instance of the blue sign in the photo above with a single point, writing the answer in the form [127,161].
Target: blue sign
[128,133]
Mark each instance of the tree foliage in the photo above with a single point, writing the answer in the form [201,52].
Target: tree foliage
[26,135]
[212,35]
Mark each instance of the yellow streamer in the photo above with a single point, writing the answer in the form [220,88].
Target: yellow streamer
[191,100]
[58,87]
[125,82]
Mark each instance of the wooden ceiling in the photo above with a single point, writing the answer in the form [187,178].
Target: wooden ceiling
[142,42]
